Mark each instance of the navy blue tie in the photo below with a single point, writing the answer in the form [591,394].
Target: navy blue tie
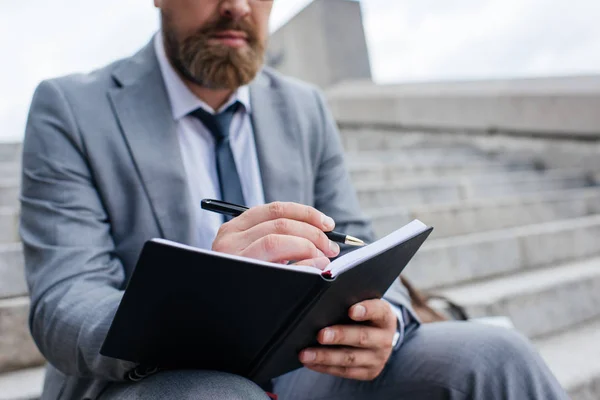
[229,180]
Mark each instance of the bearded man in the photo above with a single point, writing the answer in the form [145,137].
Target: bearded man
[126,153]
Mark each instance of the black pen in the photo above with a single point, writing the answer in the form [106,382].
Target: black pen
[235,210]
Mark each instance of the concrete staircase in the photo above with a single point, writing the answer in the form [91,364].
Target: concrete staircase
[512,238]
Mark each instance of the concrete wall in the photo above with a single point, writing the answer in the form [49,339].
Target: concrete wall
[556,107]
[323,44]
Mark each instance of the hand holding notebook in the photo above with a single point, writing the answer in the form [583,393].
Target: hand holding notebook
[359,350]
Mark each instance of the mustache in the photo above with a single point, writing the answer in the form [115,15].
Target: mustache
[226,24]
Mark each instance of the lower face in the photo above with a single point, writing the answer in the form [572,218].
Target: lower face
[220,54]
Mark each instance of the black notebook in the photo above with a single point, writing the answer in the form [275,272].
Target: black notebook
[190,308]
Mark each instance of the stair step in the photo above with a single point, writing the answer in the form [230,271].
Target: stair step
[12,271]
[422,157]
[17,349]
[450,261]
[10,152]
[362,139]
[391,172]
[9,193]
[9,224]
[574,357]
[25,384]
[538,302]
[372,139]
[453,189]
[10,170]
[509,177]
[411,162]
[478,215]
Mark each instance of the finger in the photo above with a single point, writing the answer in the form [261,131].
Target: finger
[278,248]
[377,311]
[283,226]
[340,357]
[320,263]
[357,336]
[278,210]
[356,373]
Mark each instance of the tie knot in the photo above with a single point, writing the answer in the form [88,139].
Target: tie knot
[218,124]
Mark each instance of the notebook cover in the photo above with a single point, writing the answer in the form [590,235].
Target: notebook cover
[185,309]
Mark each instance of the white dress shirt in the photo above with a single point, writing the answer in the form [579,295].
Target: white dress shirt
[198,148]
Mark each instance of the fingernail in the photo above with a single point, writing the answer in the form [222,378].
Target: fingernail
[334,247]
[308,356]
[328,222]
[328,336]
[359,311]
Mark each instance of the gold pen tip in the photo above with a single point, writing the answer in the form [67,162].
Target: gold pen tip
[352,241]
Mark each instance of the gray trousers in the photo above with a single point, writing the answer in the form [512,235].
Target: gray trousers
[450,360]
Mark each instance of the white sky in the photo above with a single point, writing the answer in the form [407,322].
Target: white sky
[408,40]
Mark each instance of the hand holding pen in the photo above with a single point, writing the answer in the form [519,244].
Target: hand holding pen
[277,232]
[235,210]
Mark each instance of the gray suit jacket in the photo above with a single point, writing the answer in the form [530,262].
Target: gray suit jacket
[102,173]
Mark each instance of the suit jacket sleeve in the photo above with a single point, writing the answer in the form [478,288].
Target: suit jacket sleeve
[75,280]
[336,197]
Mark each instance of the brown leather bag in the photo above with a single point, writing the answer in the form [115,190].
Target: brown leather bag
[427,314]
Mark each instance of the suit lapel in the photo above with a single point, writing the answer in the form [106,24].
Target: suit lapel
[278,144]
[144,113]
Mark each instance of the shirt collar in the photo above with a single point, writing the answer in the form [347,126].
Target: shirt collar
[183,101]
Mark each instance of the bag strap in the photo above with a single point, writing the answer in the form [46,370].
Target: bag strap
[420,303]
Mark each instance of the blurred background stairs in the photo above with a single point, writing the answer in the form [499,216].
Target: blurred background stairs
[21,374]
[513,237]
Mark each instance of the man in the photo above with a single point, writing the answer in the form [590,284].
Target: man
[124,154]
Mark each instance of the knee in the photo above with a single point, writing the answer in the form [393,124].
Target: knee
[499,348]
[492,349]
[190,384]
[469,351]
[211,385]
[506,364]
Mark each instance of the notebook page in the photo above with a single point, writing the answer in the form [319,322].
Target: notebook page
[302,268]
[357,256]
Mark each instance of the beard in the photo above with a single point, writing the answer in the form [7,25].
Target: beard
[211,65]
